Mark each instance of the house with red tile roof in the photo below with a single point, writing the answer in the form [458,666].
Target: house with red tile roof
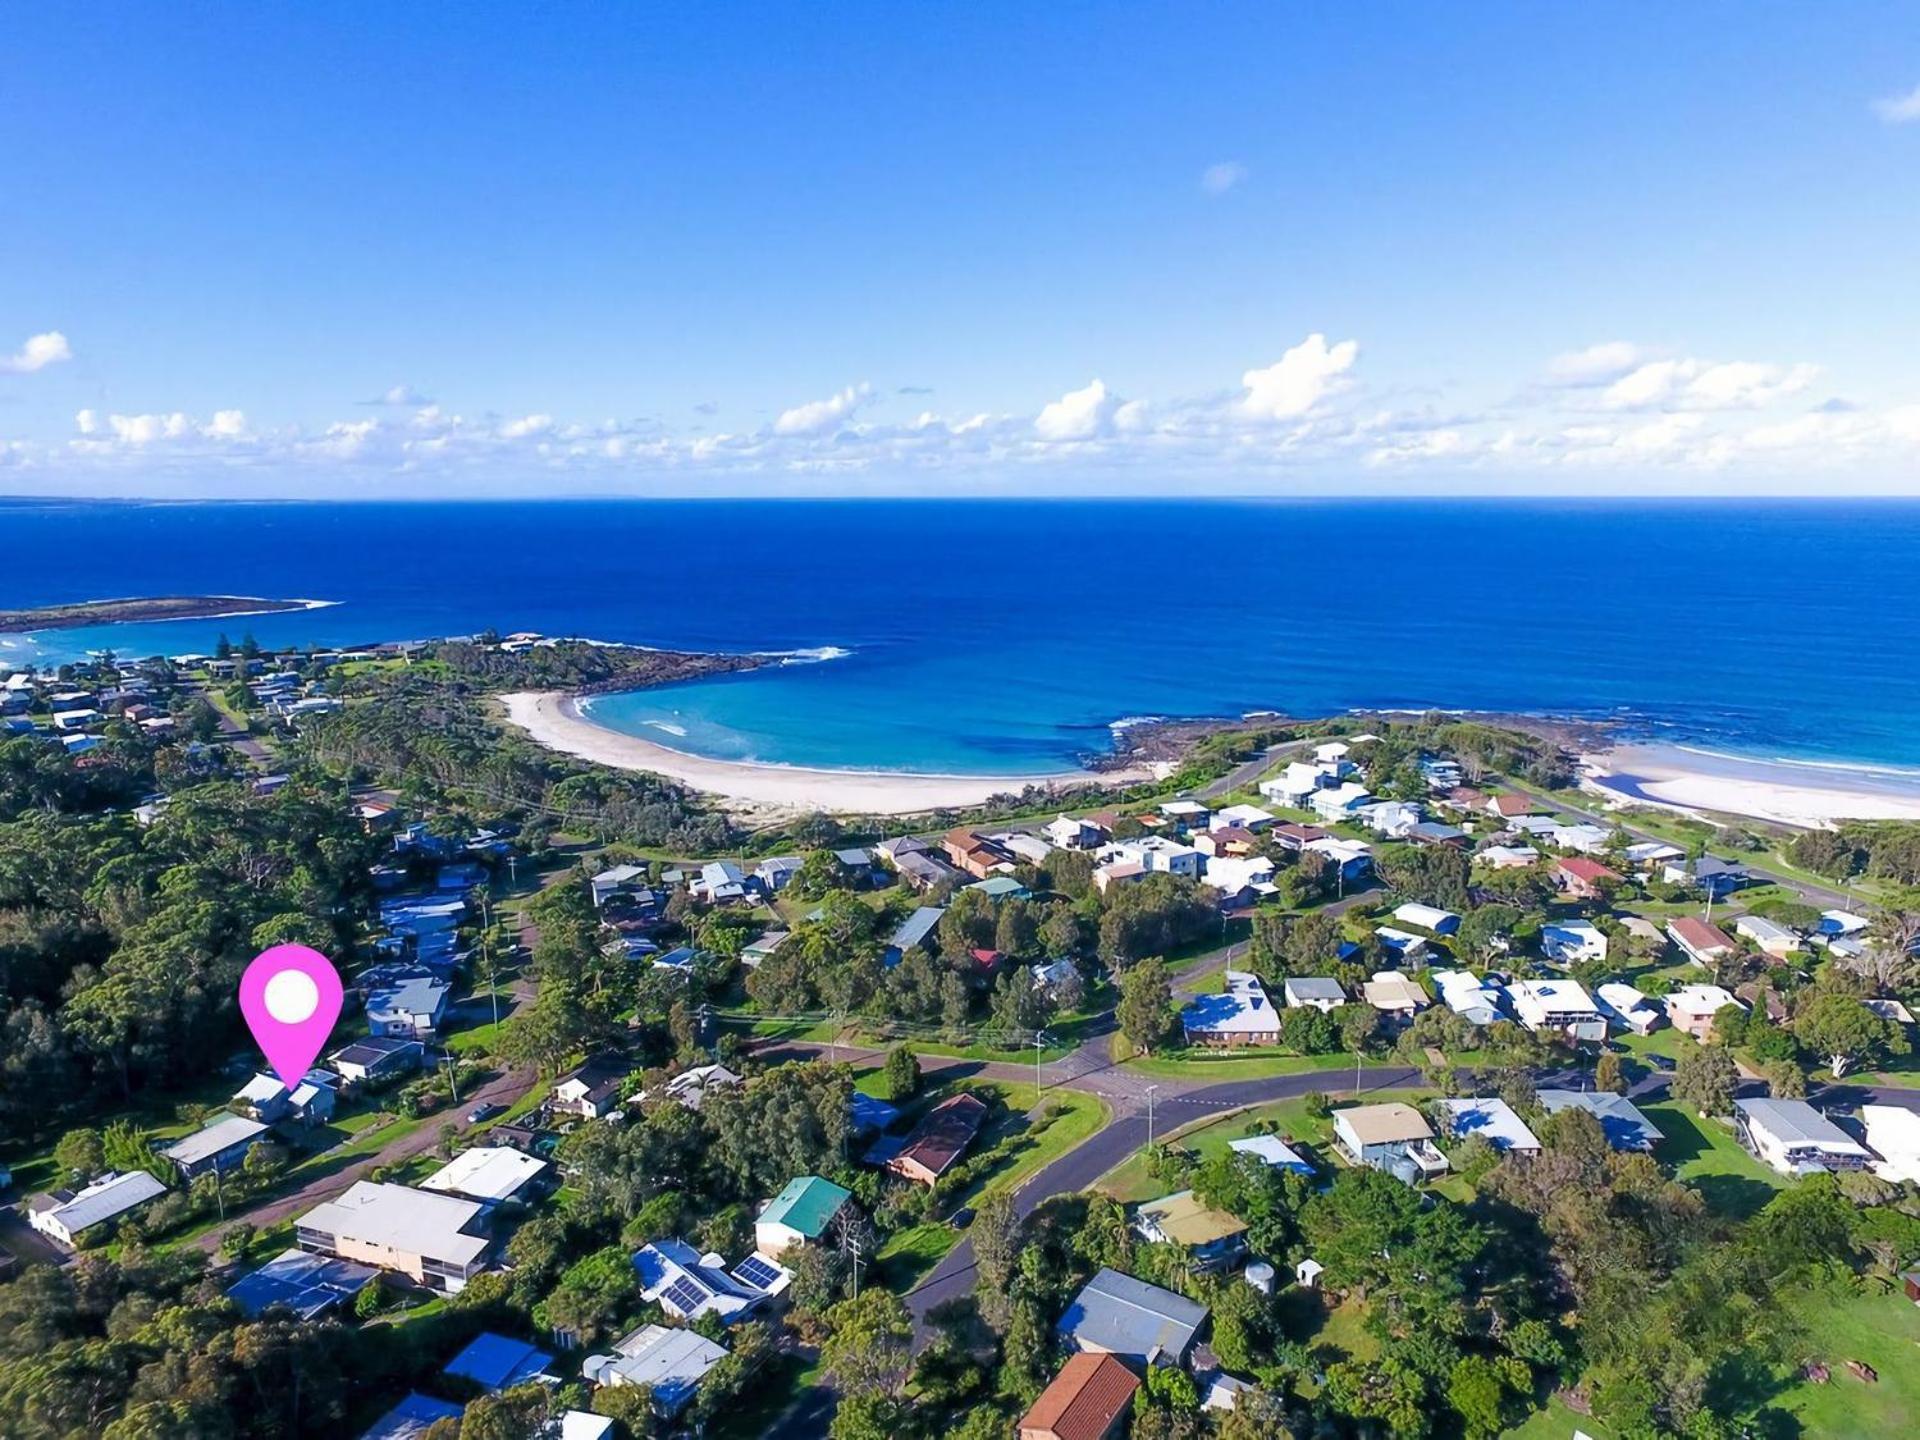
[1086,1401]
[1582,878]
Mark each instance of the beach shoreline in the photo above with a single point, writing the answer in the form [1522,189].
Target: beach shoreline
[552,718]
[1803,794]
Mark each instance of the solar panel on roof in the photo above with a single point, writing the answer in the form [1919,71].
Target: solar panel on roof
[757,1271]
[686,1295]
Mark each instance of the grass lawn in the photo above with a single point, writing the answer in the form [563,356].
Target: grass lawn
[1666,1042]
[906,1256]
[774,1389]
[1880,1330]
[1556,1422]
[1706,1155]
[1130,1182]
[1246,1063]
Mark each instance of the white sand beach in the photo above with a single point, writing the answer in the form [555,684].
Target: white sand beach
[553,719]
[1803,793]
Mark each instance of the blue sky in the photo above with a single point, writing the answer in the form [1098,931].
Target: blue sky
[998,248]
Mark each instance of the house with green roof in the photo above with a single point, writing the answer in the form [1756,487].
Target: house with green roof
[799,1214]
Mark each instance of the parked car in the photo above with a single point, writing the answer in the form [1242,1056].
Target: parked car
[485,1112]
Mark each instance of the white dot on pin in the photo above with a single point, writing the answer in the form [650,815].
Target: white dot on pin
[291,997]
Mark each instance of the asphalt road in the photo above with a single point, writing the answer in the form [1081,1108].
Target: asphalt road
[1079,1168]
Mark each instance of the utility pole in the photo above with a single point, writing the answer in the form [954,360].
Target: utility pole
[1039,1039]
[1150,1093]
[453,1076]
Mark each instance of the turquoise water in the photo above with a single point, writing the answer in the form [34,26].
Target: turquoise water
[1006,637]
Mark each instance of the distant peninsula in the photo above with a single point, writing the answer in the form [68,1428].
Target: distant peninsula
[159,607]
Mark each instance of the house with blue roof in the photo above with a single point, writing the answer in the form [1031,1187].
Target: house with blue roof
[496,1362]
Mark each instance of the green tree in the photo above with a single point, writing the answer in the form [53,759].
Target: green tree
[80,1154]
[1705,1078]
[1606,1074]
[1145,1013]
[1846,1033]
[902,1073]
[868,1348]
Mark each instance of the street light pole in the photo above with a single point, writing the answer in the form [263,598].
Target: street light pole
[1150,1092]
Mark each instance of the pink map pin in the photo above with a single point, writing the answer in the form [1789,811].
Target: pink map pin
[291,997]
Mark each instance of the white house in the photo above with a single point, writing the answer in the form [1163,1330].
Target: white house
[1774,939]
[64,1215]
[1395,994]
[1570,942]
[688,1284]
[1406,946]
[1507,857]
[1069,833]
[491,1174]
[609,883]
[1340,802]
[670,1362]
[1467,995]
[1893,1134]
[1628,1008]
[1796,1139]
[1391,1137]
[1321,993]
[1245,817]
[1239,877]
[1295,786]
[1156,854]
[1428,917]
[1562,1006]
[1490,1118]
[1692,1007]
[1187,814]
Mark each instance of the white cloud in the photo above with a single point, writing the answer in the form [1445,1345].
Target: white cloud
[1299,379]
[37,353]
[1899,109]
[1700,385]
[820,417]
[1596,364]
[1080,414]
[137,430]
[1219,178]
[226,425]
[527,425]
[86,422]
[401,395]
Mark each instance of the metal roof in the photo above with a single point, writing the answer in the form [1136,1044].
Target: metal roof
[1124,1316]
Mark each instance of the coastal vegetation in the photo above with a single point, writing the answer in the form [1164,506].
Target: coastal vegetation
[81,613]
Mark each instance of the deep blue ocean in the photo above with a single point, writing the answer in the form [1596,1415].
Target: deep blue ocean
[1006,637]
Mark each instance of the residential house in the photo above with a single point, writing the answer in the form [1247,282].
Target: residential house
[1339,803]
[1057,978]
[491,1174]
[1509,807]
[1893,1135]
[1297,837]
[916,932]
[801,1214]
[221,1145]
[497,1362]
[1652,854]
[977,854]
[437,1241]
[923,870]
[1332,758]
[1295,786]
[1393,819]
[1771,937]
[1240,1015]
[1090,1399]
[1620,1119]
[687,1284]
[757,952]
[940,1139]
[1272,1152]
[266,1099]
[1117,1315]
[1796,1139]
[1404,945]
[1491,1119]
[671,1363]
[411,1008]
[1507,857]
[1212,1239]
[692,1086]
[1067,832]
[595,1089]
[1187,814]
[1467,995]
[1240,880]
[1321,992]
[1557,1007]
[1391,1137]
[1157,854]
[890,851]
[1242,817]
[1692,1007]
[1395,995]
[774,874]
[1628,1008]
[1704,944]
[1572,942]
[307,1286]
[1582,878]
[1428,917]
[65,1215]
[1227,840]
[1841,923]
[377,1059]
[1352,860]
[1030,849]
[1001,887]
[1585,837]
[721,882]
[412,1418]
